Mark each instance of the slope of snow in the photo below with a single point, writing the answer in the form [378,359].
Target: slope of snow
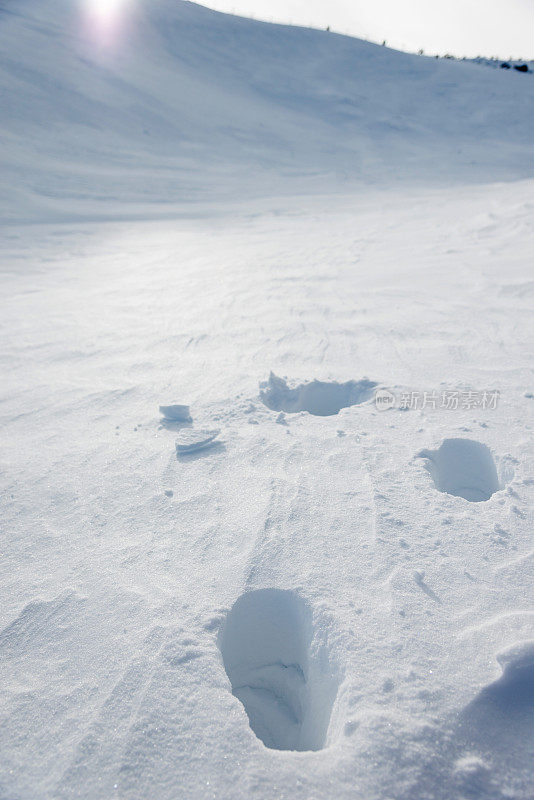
[185,104]
[326,600]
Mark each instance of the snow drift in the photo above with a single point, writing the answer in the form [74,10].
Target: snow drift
[183,104]
[295,610]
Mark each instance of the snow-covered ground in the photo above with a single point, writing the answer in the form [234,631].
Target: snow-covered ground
[180,107]
[329,599]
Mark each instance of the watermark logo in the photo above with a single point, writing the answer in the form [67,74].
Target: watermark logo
[447,399]
[384,399]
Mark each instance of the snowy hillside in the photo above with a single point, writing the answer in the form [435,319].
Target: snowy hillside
[266,414]
[181,104]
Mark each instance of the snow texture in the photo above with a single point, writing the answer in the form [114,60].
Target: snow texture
[192,439]
[175,413]
[464,468]
[308,609]
[265,647]
[180,108]
[322,398]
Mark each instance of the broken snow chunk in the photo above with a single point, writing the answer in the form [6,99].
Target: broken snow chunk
[190,440]
[176,413]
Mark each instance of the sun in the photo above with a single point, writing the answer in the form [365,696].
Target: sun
[107,10]
[106,20]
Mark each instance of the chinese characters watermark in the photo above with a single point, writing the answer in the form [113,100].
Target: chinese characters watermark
[447,399]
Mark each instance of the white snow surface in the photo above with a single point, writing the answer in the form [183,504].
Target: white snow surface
[266,224]
[186,107]
[175,412]
[192,439]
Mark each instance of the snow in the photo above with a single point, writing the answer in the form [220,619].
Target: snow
[189,441]
[286,691]
[184,109]
[322,398]
[464,468]
[301,610]
[175,412]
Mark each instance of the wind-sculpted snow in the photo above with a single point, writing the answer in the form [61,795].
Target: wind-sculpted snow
[499,724]
[123,561]
[191,440]
[298,609]
[176,412]
[184,105]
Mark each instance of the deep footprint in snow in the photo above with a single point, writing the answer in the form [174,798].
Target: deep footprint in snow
[265,646]
[463,468]
[321,398]
[500,720]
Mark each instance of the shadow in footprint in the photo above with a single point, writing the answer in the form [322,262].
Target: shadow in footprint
[464,468]
[266,650]
[321,398]
[499,722]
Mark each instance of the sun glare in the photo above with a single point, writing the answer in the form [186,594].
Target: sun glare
[106,19]
[107,11]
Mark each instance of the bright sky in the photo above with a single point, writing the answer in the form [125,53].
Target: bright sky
[501,28]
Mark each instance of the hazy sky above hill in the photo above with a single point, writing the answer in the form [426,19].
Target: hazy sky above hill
[463,27]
